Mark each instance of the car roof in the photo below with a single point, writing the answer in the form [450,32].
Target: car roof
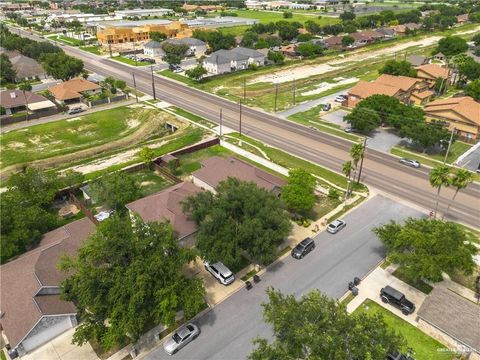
[222,268]
[183,331]
[336,222]
[305,241]
[393,292]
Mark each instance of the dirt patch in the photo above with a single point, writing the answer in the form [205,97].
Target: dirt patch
[74,119]
[36,140]
[133,123]
[146,183]
[16,145]
[324,86]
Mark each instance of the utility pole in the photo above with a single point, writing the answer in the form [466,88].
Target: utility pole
[240,122]
[135,86]
[347,193]
[153,83]
[294,90]
[244,90]
[135,52]
[221,122]
[449,145]
[110,49]
[361,161]
[276,95]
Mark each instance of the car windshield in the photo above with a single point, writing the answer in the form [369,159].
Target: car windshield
[176,338]
[190,327]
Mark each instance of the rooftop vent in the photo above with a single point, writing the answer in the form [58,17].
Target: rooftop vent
[13,95]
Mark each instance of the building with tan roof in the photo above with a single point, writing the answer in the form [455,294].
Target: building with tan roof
[431,72]
[14,101]
[461,114]
[25,68]
[32,312]
[73,90]
[364,89]
[217,169]
[166,205]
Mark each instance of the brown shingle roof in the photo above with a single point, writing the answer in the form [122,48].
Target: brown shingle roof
[217,169]
[13,98]
[364,89]
[433,70]
[454,315]
[167,205]
[72,89]
[22,279]
[403,82]
[423,95]
[24,66]
[465,106]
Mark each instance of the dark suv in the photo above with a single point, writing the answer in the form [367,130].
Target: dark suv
[303,248]
[396,298]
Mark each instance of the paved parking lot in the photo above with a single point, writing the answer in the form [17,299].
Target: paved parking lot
[336,117]
[229,328]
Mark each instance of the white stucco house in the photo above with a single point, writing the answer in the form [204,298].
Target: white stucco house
[239,58]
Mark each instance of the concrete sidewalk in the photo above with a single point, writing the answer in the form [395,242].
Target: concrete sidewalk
[370,287]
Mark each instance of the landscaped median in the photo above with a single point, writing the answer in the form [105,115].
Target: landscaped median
[131,62]
[66,40]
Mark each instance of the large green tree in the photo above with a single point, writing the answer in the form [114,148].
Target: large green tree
[61,66]
[317,327]
[398,68]
[439,177]
[425,135]
[299,192]
[473,89]
[7,73]
[115,190]
[197,73]
[460,179]
[126,278]
[451,45]
[309,50]
[240,217]
[363,120]
[425,248]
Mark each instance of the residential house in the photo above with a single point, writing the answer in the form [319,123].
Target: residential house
[431,72]
[194,7]
[32,312]
[217,169]
[439,56]
[14,101]
[402,29]
[334,42]
[453,320]
[25,68]
[74,90]
[460,113]
[289,50]
[386,32]
[239,58]
[417,60]
[462,19]
[153,48]
[406,89]
[195,47]
[167,205]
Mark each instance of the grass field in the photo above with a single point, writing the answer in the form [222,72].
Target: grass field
[130,61]
[149,181]
[457,149]
[265,17]
[92,49]
[68,136]
[66,40]
[425,347]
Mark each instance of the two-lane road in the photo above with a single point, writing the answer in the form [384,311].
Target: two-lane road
[381,170]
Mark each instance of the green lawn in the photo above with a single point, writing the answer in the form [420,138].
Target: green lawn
[193,117]
[92,49]
[66,40]
[457,149]
[130,61]
[425,347]
[312,117]
[265,17]
[417,284]
[67,136]
[149,181]
[322,207]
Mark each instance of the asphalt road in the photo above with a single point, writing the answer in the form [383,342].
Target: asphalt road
[380,170]
[228,329]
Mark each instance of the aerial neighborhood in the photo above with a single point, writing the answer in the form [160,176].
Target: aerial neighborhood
[240,179]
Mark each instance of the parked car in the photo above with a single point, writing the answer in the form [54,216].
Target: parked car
[221,272]
[327,107]
[395,355]
[410,162]
[340,98]
[478,168]
[392,296]
[74,110]
[335,226]
[349,129]
[303,248]
[180,338]
[177,70]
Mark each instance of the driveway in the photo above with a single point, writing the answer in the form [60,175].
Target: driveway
[383,140]
[229,328]
[336,117]
[472,160]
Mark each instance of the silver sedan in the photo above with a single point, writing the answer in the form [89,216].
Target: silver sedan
[180,338]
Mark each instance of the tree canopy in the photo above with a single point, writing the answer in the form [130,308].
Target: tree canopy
[240,217]
[7,73]
[126,278]
[157,36]
[215,39]
[451,45]
[426,248]
[317,327]
[197,73]
[398,68]
[473,89]
[115,190]
[425,135]
[309,50]
[61,66]
[299,192]
[363,120]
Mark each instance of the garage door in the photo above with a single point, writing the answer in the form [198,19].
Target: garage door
[47,334]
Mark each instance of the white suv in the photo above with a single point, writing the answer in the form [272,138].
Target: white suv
[221,272]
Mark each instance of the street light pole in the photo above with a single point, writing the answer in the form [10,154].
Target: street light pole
[221,122]
[240,122]
[361,161]
[153,83]
[135,86]
[276,95]
[449,145]
[294,90]
[135,52]
[244,90]
[347,192]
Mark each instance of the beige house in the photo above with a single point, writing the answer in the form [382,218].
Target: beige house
[461,114]
[431,72]
[73,90]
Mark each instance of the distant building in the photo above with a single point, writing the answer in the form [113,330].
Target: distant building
[14,101]
[33,312]
[217,169]
[461,114]
[195,47]
[194,7]
[143,12]
[462,19]
[153,48]
[289,50]
[417,60]
[25,68]
[402,29]
[225,61]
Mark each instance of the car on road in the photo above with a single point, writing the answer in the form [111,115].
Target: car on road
[349,129]
[410,162]
[180,338]
[389,295]
[74,110]
[340,98]
[335,226]
[303,248]
[220,272]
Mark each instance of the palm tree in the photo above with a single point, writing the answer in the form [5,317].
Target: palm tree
[439,176]
[347,168]
[460,180]
[25,86]
[356,153]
